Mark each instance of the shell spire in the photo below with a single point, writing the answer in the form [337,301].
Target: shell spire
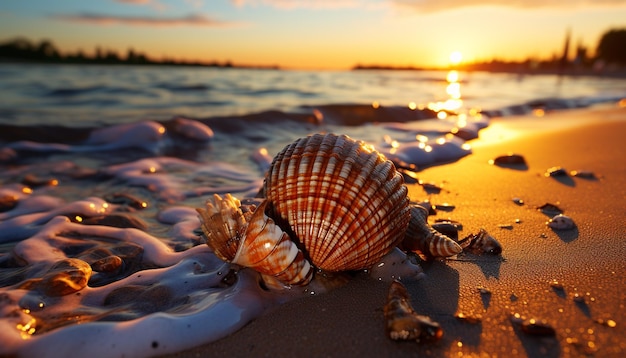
[253,240]
[426,240]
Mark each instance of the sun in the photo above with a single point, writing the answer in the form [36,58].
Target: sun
[456,57]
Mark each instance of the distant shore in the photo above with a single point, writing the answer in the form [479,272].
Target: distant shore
[512,68]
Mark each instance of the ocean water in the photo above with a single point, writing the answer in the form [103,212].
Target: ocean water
[102,167]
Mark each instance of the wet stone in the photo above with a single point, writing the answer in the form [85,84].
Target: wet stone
[8,202]
[110,264]
[34,181]
[117,220]
[65,277]
[127,200]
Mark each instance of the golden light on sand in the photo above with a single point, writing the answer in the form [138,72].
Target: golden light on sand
[456,57]
[412,106]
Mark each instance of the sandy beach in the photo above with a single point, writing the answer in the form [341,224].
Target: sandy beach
[573,279]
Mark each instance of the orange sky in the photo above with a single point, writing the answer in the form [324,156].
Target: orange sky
[320,34]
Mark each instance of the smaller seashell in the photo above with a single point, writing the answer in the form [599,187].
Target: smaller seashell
[481,243]
[508,159]
[561,222]
[555,172]
[8,202]
[401,320]
[252,239]
[422,238]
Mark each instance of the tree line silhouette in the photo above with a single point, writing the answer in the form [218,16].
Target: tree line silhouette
[610,56]
[24,50]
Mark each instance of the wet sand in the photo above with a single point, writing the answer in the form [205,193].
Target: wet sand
[586,307]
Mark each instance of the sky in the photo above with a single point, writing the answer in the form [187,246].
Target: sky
[316,34]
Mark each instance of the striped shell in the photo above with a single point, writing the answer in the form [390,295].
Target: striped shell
[345,203]
[422,238]
[253,240]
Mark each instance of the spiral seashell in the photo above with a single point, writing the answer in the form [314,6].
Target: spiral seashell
[345,204]
[252,239]
[424,239]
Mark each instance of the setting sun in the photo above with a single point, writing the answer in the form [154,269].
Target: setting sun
[456,57]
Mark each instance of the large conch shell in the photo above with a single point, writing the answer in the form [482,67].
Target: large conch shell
[332,203]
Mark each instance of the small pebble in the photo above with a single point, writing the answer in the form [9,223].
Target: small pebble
[550,209]
[555,172]
[585,174]
[561,222]
[508,159]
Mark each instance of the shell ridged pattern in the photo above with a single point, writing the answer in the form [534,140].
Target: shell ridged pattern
[224,224]
[428,241]
[253,240]
[344,202]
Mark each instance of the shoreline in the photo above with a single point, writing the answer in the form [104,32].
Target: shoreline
[587,262]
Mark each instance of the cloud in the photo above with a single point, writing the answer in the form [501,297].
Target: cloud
[443,5]
[135,2]
[190,20]
[302,4]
